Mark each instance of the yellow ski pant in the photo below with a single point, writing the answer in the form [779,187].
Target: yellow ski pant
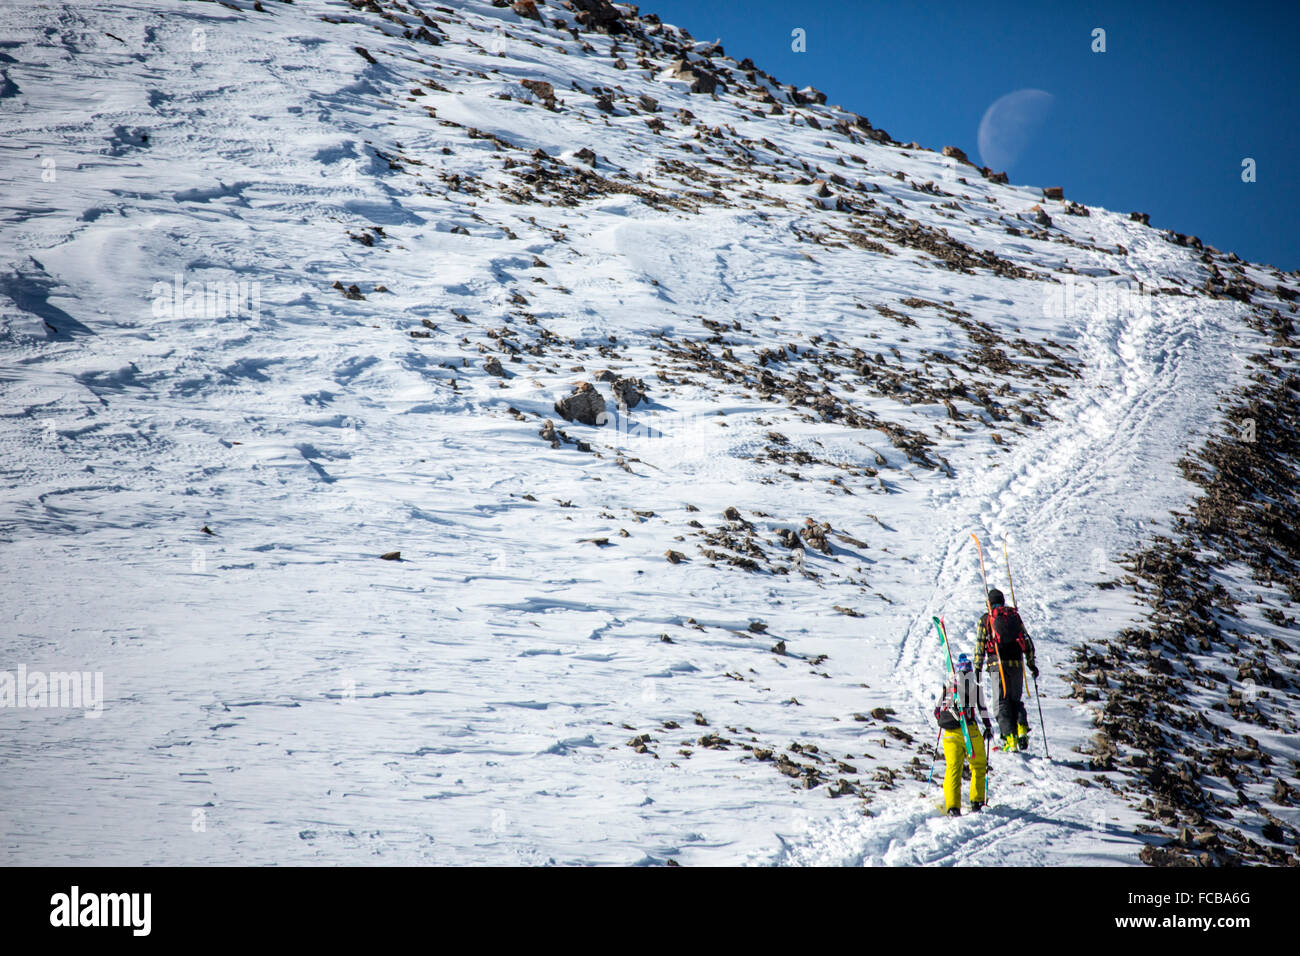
[954,752]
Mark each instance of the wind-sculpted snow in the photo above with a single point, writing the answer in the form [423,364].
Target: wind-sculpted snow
[286,290]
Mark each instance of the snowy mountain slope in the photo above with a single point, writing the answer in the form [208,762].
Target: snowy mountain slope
[872,345]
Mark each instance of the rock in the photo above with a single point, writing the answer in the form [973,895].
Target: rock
[811,94]
[548,433]
[629,392]
[1142,217]
[365,54]
[842,789]
[527,8]
[598,15]
[585,405]
[788,766]
[700,79]
[957,154]
[1157,856]
[674,557]
[492,365]
[757,627]
[823,190]
[993,177]
[815,535]
[586,155]
[1273,833]
[391,556]
[541,89]
[1053,192]
[1042,218]
[648,103]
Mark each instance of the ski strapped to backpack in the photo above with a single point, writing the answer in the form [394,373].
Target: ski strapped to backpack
[952,674]
[979,548]
[1037,697]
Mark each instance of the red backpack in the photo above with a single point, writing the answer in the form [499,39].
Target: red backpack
[1006,637]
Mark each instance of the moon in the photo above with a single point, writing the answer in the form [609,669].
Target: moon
[1010,124]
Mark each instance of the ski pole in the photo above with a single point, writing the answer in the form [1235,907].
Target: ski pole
[987,767]
[1041,726]
[930,779]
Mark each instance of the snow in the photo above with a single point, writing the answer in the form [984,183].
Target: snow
[278,694]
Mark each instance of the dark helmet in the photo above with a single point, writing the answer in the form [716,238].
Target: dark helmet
[963,664]
[996,599]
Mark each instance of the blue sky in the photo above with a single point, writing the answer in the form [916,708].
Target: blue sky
[1159,123]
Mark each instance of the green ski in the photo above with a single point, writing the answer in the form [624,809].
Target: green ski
[952,673]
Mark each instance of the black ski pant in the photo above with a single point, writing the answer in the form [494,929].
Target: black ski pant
[1011,708]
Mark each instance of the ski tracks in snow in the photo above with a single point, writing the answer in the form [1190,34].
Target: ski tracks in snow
[1063,498]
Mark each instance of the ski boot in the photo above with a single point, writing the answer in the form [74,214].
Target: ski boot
[954,811]
[1010,743]
[976,806]
[1023,733]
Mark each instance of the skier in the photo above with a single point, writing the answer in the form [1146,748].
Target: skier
[970,699]
[1001,639]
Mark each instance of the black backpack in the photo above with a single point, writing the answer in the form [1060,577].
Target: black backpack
[1006,638]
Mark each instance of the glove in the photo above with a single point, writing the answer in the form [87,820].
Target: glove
[988,730]
[1033,669]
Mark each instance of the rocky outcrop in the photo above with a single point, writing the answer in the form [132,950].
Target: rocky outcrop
[629,392]
[585,405]
[541,89]
[599,15]
[699,78]
[527,8]
[957,154]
